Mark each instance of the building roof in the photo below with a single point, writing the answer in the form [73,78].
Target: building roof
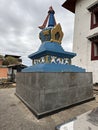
[70,5]
[15,56]
[17,65]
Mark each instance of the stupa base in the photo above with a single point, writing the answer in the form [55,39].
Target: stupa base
[48,93]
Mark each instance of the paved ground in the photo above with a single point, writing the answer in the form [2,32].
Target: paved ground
[86,121]
[14,115]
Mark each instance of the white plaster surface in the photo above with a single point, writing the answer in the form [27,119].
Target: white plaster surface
[81,45]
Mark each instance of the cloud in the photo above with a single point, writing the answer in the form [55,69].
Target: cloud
[19,21]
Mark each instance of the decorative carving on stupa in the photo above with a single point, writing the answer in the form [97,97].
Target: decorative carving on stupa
[57,34]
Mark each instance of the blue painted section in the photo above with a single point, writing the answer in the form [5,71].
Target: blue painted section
[53,49]
[45,37]
[53,68]
[51,22]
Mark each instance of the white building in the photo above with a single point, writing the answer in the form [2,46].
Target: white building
[85,42]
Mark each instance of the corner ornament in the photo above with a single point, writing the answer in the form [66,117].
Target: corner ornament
[57,34]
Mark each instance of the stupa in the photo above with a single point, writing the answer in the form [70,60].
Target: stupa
[52,84]
[51,57]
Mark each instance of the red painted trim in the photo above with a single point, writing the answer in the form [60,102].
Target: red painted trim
[92,52]
[92,20]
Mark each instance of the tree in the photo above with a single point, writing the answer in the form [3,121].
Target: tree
[10,60]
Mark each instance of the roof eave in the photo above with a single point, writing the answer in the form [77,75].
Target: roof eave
[70,5]
[52,53]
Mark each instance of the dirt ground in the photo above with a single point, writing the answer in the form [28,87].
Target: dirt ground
[14,115]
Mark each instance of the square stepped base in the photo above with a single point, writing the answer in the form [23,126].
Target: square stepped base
[47,93]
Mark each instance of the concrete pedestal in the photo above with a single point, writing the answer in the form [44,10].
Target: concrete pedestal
[45,93]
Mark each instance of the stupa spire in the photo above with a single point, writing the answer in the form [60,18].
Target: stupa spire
[50,19]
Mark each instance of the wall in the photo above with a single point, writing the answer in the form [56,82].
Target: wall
[81,45]
[3,72]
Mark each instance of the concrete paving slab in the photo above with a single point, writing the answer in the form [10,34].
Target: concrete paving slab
[86,121]
[14,115]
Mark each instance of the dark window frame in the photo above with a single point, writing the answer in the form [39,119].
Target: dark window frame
[94,18]
[93,49]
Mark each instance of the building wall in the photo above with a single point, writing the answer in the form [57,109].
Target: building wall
[82,46]
[3,72]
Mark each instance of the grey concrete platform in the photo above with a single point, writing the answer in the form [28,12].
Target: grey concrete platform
[47,93]
[14,115]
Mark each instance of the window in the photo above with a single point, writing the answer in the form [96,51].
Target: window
[94,14]
[94,46]
[94,19]
[94,51]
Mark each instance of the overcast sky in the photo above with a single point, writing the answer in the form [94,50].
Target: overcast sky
[19,21]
